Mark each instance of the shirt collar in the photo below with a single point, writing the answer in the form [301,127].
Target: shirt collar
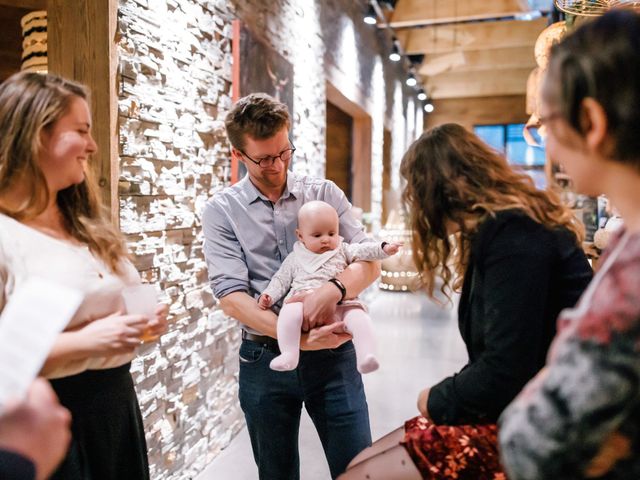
[251,194]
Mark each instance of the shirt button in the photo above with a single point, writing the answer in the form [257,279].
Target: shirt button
[281,242]
[277,212]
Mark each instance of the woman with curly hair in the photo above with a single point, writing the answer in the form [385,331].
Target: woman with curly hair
[514,253]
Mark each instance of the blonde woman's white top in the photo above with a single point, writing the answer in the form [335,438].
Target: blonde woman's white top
[26,252]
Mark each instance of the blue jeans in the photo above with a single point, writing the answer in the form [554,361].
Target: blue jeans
[333,394]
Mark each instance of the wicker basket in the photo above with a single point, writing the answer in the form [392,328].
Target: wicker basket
[592,8]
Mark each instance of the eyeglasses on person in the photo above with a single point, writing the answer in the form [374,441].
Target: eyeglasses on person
[535,133]
[268,160]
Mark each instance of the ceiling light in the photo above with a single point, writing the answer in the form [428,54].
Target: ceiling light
[411,80]
[429,108]
[370,18]
[394,56]
[422,95]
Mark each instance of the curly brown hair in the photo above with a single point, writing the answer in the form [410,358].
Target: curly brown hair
[31,103]
[455,180]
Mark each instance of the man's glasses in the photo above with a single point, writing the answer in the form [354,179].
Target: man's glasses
[268,160]
[535,134]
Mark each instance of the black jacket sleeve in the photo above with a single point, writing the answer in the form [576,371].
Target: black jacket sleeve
[15,467]
[514,265]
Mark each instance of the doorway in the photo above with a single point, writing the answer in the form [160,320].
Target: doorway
[339,142]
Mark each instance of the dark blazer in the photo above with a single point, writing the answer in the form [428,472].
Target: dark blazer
[520,276]
[15,467]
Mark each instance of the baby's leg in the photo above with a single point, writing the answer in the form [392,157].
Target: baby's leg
[288,328]
[358,324]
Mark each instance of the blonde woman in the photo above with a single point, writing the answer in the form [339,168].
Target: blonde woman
[52,226]
[514,253]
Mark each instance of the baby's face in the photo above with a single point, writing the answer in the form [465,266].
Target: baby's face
[320,233]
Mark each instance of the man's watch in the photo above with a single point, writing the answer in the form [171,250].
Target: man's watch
[341,287]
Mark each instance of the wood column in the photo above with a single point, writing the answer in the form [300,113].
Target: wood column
[82,47]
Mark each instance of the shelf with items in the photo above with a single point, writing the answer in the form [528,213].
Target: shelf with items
[398,271]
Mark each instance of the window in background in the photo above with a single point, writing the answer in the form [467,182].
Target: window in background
[508,140]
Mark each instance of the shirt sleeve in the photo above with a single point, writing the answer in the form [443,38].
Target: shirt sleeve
[588,390]
[516,268]
[223,253]
[351,229]
[281,281]
[364,251]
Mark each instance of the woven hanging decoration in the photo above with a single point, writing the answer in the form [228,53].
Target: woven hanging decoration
[34,43]
[592,8]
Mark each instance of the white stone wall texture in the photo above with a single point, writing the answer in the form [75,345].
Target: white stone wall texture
[174,79]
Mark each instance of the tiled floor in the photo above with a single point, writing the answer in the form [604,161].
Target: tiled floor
[418,344]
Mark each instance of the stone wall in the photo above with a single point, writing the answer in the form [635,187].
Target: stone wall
[175,85]
[174,90]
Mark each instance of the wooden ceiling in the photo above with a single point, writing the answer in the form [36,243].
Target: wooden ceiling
[471,48]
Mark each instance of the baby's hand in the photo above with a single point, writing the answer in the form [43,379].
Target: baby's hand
[392,248]
[264,301]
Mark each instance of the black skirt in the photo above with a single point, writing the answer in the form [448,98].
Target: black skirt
[108,435]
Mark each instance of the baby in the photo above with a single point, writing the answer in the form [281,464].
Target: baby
[318,256]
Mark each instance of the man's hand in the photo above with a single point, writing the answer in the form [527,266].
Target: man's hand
[423,399]
[319,306]
[37,428]
[326,336]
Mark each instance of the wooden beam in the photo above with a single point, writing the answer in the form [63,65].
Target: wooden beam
[81,39]
[26,4]
[474,60]
[473,36]
[411,13]
[478,111]
[478,84]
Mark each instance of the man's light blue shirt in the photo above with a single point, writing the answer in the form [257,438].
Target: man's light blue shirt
[246,236]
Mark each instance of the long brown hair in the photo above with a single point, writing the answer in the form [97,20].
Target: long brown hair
[31,103]
[453,178]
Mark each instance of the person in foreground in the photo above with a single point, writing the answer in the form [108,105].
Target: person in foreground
[514,252]
[52,227]
[580,417]
[249,229]
[34,435]
[317,257]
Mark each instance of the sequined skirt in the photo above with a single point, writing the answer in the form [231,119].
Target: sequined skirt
[462,452]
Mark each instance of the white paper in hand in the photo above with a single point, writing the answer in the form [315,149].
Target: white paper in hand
[30,322]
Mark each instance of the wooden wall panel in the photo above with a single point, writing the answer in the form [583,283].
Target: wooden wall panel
[82,47]
[10,40]
[339,148]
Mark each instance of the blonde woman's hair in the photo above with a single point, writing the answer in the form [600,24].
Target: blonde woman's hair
[30,104]
[455,179]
